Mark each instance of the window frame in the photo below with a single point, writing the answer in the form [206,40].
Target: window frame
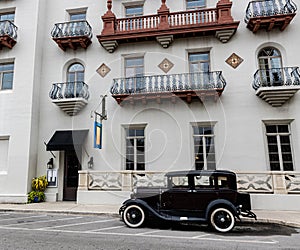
[2,72]
[199,62]
[279,145]
[136,152]
[204,146]
[75,73]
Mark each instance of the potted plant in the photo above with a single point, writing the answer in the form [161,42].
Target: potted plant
[38,185]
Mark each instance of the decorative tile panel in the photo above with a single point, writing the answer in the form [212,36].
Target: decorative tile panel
[166,65]
[103,70]
[292,183]
[234,60]
[256,183]
[105,181]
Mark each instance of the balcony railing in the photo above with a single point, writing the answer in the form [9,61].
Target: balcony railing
[71,97]
[277,85]
[72,34]
[165,25]
[167,86]
[8,34]
[269,13]
[275,77]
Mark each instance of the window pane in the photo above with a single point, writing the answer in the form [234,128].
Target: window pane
[129,165]
[199,57]
[274,157]
[283,128]
[129,150]
[285,139]
[195,3]
[139,132]
[273,148]
[140,166]
[134,11]
[287,157]
[271,128]
[198,130]
[7,80]
[77,16]
[208,130]
[288,166]
[275,166]
[76,67]
[7,16]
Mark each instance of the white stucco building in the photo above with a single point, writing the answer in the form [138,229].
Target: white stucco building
[190,84]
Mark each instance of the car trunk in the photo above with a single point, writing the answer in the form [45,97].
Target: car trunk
[244,200]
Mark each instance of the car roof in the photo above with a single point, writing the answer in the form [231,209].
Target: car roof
[200,172]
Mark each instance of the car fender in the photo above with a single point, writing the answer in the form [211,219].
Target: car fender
[218,203]
[144,205]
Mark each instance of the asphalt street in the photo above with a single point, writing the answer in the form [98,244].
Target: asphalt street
[65,231]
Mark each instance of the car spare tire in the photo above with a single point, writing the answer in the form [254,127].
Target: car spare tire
[134,216]
[222,219]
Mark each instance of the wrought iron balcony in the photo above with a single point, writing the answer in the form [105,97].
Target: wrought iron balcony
[269,14]
[72,34]
[187,86]
[165,25]
[71,97]
[8,34]
[277,85]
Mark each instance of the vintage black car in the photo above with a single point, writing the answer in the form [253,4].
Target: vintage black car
[209,197]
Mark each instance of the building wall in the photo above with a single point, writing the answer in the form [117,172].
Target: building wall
[19,106]
[238,115]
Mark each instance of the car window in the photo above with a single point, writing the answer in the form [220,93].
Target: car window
[203,181]
[223,182]
[180,182]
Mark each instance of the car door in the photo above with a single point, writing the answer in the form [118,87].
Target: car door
[204,192]
[178,198]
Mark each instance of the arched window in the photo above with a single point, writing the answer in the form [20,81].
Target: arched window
[270,66]
[75,86]
[75,73]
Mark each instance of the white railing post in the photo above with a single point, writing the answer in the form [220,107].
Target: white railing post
[127,181]
[279,183]
[83,180]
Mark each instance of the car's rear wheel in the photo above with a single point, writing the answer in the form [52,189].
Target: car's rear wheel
[222,220]
[134,216]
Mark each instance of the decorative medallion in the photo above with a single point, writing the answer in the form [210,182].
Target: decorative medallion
[103,70]
[234,60]
[166,65]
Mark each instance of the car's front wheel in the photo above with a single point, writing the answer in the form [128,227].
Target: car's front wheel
[222,220]
[133,216]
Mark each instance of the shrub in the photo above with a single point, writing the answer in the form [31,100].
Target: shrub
[38,184]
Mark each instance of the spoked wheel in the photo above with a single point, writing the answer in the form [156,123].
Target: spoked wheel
[134,216]
[222,220]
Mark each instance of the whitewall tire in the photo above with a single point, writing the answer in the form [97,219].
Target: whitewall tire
[134,216]
[222,220]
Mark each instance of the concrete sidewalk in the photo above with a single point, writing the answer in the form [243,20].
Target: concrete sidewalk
[289,218]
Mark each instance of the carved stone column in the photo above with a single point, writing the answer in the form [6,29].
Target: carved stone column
[109,20]
[224,11]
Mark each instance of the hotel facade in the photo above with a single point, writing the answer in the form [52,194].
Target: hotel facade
[103,96]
